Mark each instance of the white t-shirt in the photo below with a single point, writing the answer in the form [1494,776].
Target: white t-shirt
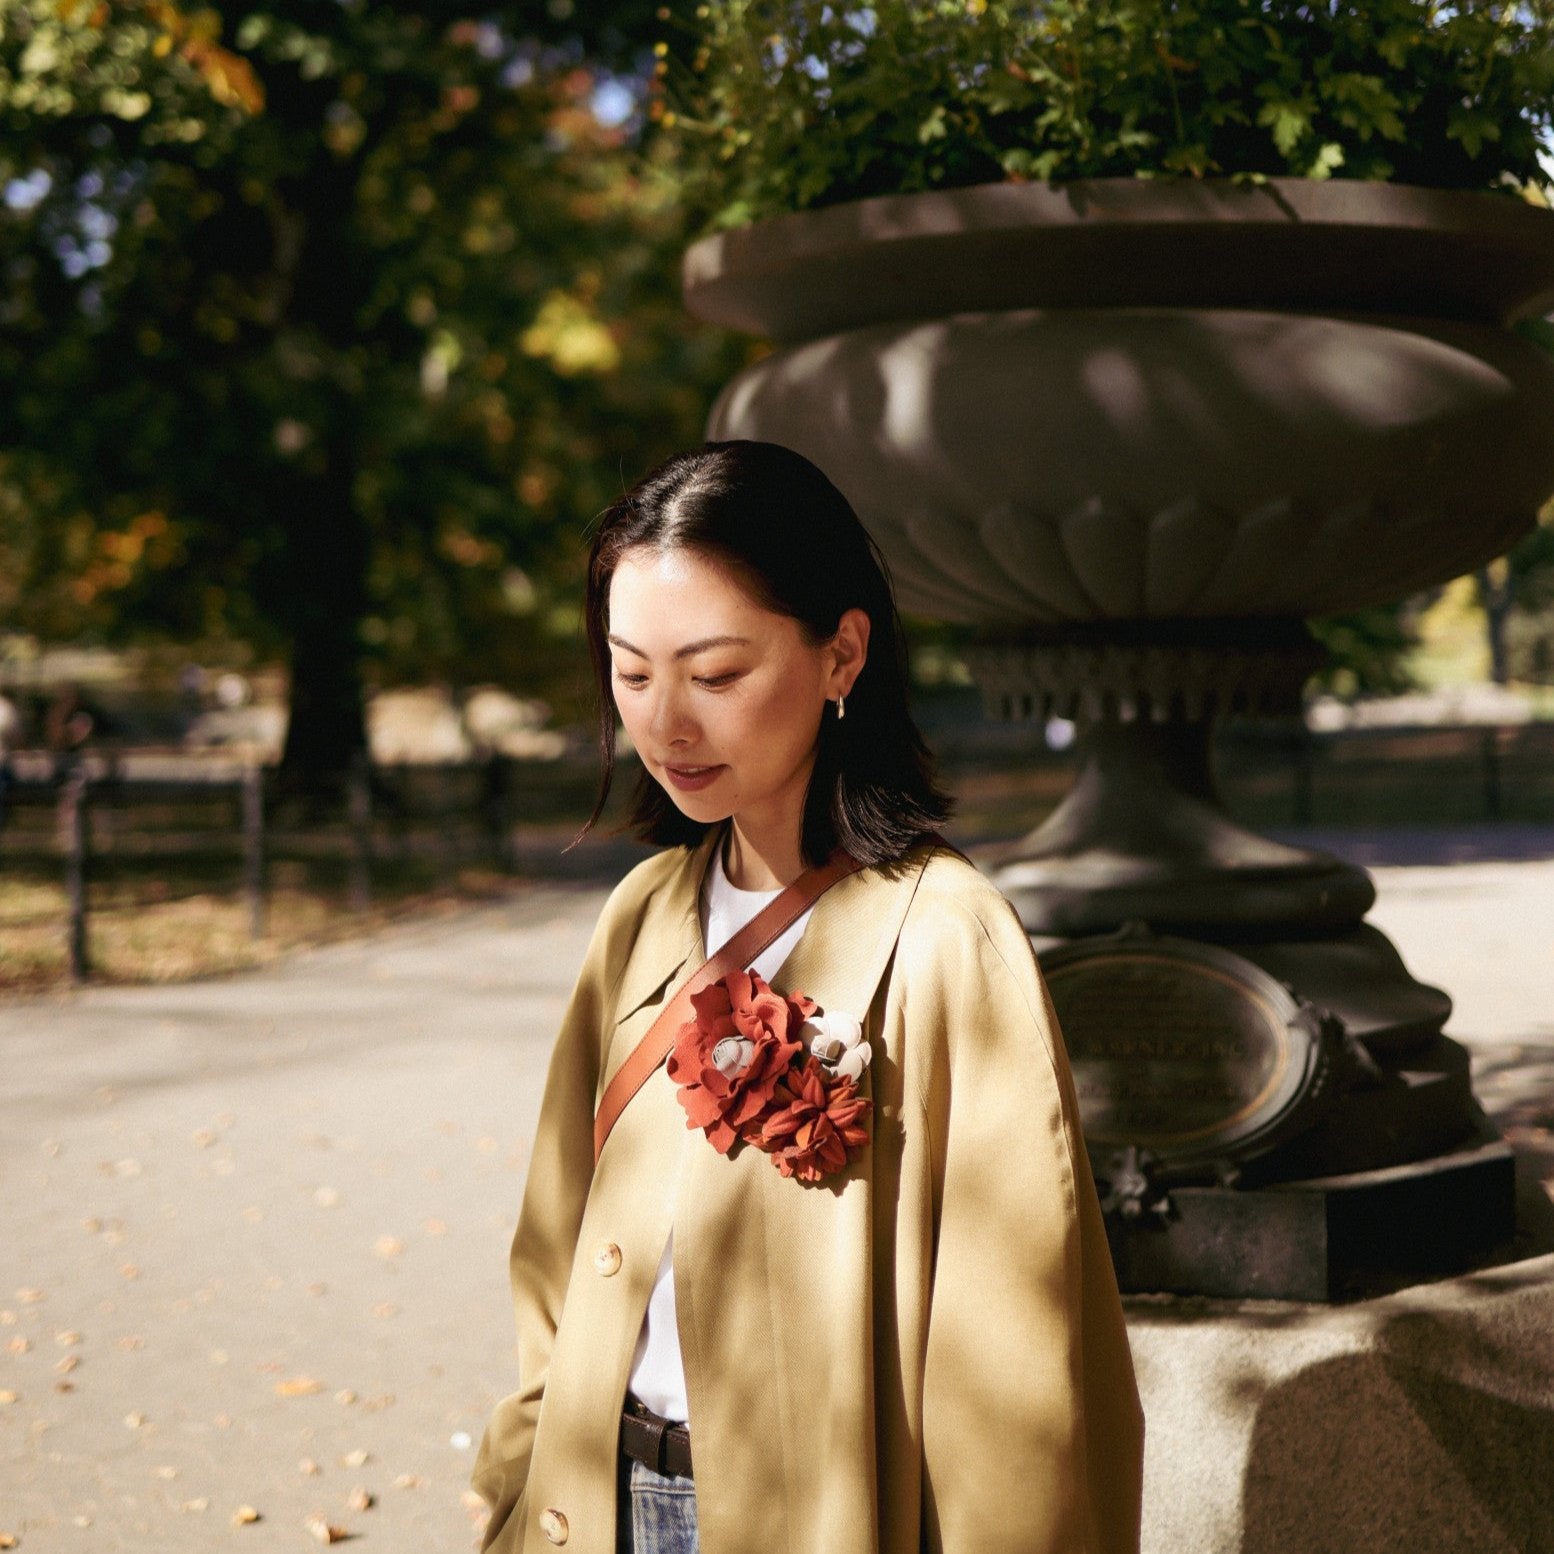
[657,1372]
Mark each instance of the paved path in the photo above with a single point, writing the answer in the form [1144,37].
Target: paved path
[254,1230]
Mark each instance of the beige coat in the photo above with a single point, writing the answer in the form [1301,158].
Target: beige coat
[928,1353]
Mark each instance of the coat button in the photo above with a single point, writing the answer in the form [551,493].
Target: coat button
[607,1258]
[553,1524]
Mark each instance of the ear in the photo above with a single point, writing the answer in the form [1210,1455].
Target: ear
[849,651]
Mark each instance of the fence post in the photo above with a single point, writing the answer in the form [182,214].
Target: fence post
[73,826]
[359,805]
[496,805]
[447,843]
[1494,805]
[253,848]
[1304,773]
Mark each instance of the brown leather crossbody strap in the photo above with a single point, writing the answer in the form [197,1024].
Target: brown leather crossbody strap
[767,925]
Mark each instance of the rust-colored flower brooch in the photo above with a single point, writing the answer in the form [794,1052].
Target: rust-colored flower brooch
[773,1071]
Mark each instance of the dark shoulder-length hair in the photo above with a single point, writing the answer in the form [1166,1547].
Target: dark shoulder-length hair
[792,539]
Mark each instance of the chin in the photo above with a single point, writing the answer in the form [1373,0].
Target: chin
[704,808]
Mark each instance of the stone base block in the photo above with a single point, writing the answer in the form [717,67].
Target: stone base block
[1418,1423]
[1329,1237]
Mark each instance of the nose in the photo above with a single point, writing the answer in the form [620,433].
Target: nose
[669,722]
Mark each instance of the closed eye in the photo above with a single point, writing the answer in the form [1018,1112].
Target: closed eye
[715,682]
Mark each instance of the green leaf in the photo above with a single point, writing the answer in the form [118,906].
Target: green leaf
[1328,160]
[932,128]
[1289,121]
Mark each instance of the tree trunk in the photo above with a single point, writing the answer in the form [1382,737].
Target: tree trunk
[327,601]
[1494,593]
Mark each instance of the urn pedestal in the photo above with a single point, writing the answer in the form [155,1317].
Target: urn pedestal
[1135,433]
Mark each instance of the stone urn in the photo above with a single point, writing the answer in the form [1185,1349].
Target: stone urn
[1135,432]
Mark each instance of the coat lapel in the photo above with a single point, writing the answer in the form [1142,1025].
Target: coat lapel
[668,946]
[842,952]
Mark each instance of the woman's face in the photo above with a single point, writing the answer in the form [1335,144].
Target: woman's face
[722,697]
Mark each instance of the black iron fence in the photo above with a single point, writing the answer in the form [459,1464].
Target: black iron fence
[155,809]
[220,819]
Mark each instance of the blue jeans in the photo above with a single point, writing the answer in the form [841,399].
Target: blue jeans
[654,1514]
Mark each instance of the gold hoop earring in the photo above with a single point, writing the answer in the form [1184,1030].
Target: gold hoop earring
[841,708]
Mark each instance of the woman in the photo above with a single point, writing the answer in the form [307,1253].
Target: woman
[837,1280]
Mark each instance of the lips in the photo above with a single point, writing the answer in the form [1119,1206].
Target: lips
[689,778]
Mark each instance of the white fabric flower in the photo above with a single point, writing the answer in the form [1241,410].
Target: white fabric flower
[836,1038]
[732,1056]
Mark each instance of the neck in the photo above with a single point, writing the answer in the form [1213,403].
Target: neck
[756,860]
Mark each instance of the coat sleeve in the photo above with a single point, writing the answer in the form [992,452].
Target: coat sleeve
[560,1173]
[1032,1432]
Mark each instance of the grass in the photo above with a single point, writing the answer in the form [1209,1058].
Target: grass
[176,926]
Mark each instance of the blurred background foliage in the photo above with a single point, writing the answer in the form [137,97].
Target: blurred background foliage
[327,326]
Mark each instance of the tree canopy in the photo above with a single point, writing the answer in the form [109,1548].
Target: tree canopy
[328,326]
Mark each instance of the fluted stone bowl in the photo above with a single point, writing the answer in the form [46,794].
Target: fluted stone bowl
[1134,401]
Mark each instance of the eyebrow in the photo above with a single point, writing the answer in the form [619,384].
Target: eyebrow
[690,649]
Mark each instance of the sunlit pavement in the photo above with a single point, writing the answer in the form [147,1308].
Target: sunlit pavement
[255,1230]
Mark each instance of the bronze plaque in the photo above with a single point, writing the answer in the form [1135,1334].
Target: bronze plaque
[1180,1048]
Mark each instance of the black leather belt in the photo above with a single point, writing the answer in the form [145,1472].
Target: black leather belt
[663,1446]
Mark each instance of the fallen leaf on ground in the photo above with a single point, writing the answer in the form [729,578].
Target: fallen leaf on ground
[308,1468]
[67,1339]
[92,1225]
[243,1515]
[129,1271]
[361,1499]
[67,1363]
[345,1396]
[130,1167]
[322,1530]
[435,1227]
[7,1396]
[354,1459]
[203,1137]
[132,1341]
[318,1289]
[253,1213]
[29,1296]
[384,1400]
[409,1481]
[473,1501]
[135,1419]
[9,1540]
[385,1309]
[326,1197]
[200,1503]
[388,1246]
[7,1319]
[298,1387]
[167,1470]
[19,1345]
[64,1386]
[81,1521]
